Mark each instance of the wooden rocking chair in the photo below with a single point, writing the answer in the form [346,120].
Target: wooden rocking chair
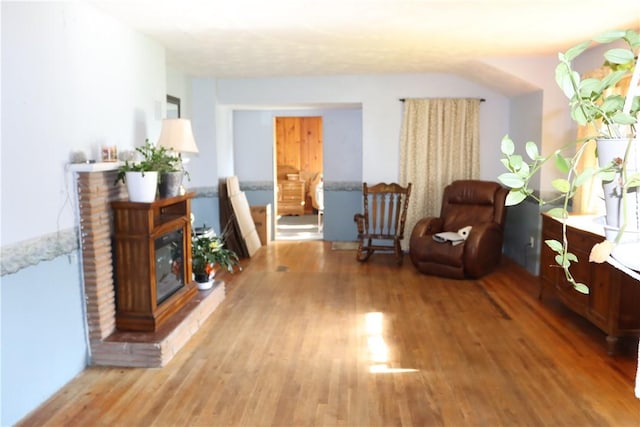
[385,212]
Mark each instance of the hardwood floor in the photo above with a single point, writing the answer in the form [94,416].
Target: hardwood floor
[309,336]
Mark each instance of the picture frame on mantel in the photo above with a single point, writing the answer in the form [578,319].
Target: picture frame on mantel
[173,107]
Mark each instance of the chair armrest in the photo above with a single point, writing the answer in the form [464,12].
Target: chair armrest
[427,226]
[483,248]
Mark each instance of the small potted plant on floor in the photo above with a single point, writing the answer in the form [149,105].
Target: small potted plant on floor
[613,113]
[208,254]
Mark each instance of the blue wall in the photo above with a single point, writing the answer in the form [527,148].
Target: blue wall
[523,221]
[43,334]
[253,132]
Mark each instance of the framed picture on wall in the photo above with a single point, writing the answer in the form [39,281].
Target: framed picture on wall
[173,107]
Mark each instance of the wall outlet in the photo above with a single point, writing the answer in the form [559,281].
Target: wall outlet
[532,241]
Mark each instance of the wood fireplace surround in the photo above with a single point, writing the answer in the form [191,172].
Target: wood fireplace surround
[153,261]
[108,345]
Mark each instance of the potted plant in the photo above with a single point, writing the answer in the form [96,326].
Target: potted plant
[208,254]
[142,177]
[615,118]
[170,177]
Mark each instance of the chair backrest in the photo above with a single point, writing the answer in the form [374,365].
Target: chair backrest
[469,202]
[385,209]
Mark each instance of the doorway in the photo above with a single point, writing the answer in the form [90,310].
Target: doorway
[299,185]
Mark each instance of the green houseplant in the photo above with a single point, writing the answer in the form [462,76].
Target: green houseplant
[208,253]
[615,117]
[142,177]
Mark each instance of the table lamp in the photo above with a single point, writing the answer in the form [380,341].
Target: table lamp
[176,135]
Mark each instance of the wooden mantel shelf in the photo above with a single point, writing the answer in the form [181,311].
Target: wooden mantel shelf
[94,167]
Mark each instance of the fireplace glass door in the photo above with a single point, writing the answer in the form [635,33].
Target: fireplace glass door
[169,264]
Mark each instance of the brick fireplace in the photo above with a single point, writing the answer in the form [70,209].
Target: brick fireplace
[108,346]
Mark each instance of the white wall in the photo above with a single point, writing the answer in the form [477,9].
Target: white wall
[179,85]
[72,80]
[557,128]
[379,96]
[205,167]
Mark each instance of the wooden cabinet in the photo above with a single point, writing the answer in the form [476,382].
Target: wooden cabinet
[152,256]
[291,197]
[613,302]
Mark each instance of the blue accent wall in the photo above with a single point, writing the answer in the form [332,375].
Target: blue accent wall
[206,211]
[523,221]
[340,207]
[43,334]
[341,200]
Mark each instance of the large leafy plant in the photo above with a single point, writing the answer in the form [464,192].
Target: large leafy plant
[591,101]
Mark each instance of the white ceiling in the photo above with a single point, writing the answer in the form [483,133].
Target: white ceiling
[260,38]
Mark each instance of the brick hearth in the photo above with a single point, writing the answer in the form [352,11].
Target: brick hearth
[107,345]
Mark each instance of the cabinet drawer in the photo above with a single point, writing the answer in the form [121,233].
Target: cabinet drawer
[613,302]
[581,241]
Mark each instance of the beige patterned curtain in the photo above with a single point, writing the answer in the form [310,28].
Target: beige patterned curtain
[440,142]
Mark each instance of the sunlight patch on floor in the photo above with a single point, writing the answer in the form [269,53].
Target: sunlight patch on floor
[378,348]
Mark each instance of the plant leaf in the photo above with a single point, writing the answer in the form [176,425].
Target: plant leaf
[562,261]
[576,50]
[619,56]
[578,114]
[511,180]
[515,197]
[607,175]
[584,176]
[524,170]
[633,38]
[581,287]
[623,118]
[532,150]
[589,86]
[507,147]
[561,163]
[560,213]
[515,162]
[612,103]
[563,80]
[562,185]
[633,181]
[554,245]
[610,36]
[611,79]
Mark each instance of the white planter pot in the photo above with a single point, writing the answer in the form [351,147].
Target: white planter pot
[203,286]
[626,252]
[142,186]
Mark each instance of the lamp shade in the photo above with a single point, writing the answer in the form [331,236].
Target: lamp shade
[176,135]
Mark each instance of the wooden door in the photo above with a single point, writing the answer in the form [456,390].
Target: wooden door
[299,147]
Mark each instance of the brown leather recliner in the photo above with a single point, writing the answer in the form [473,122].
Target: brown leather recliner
[479,204]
